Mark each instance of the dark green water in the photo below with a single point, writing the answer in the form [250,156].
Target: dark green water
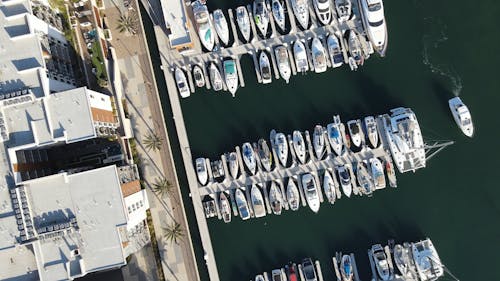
[436,49]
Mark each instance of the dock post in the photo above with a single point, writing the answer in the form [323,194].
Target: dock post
[325,45]
[217,208]
[301,191]
[318,186]
[236,40]
[240,72]
[224,166]
[233,203]
[249,200]
[309,146]
[256,66]
[266,197]
[318,270]
[354,182]
[355,268]
[277,161]
[291,149]
[309,54]
[273,61]
[283,193]
[257,159]
[301,273]
[209,170]
[271,20]
[266,277]
[216,36]
[291,58]
[327,143]
[312,16]
[255,35]
[291,17]
[204,66]
[336,268]
[389,261]
[221,67]
[333,172]
[189,73]
[240,160]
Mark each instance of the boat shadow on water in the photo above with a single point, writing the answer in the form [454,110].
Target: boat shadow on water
[376,96]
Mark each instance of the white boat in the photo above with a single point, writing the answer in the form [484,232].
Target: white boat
[281,146]
[301,11]
[199,77]
[364,179]
[346,268]
[354,127]
[265,68]
[215,77]
[243,21]
[300,55]
[278,14]
[261,16]
[278,275]
[377,173]
[265,155]
[318,55]
[249,157]
[371,130]
[259,208]
[259,278]
[201,170]
[299,146]
[234,165]
[329,187]
[403,259]
[381,262]
[344,9]
[311,191]
[462,116]
[225,207]
[275,198]
[231,75]
[204,25]
[181,81]
[391,174]
[241,203]
[319,141]
[345,180]
[283,61]
[372,12]
[221,26]
[323,11]
[355,49]
[335,50]
[309,270]
[427,261]
[335,135]
[292,195]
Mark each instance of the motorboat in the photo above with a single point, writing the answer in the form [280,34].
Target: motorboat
[391,174]
[291,272]
[201,170]
[300,55]
[319,141]
[329,187]
[275,199]
[265,68]
[377,173]
[234,165]
[215,77]
[249,157]
[217,168]
[259,277]
[182,85]
[335,50]
[371,130]
[309,270]
[225,207]
[364,179]
[299,146]
[278,13]
[323,11]
[311,191]
[278,275]
[259,208]
[427,261]
[199,77]
[283,61]
[345,180]
[354,127]
[281,146]
[243,21]
[292,195]
[301,11]
[335,135]
[462,116]
[381,262]
[403,259]
[372,12]
[231,75]
[346,268]
[221,26]
[344,9]
[265,155]
[203,24]
[318,55]
[261,16]
[355,50]
[241,203]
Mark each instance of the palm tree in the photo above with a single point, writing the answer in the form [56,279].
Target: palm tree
[162,187]
[153,142]
[173,232]
[128,24]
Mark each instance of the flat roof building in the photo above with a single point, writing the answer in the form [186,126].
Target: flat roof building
[178,25]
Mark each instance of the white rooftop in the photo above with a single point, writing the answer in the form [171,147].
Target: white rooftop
[175,15]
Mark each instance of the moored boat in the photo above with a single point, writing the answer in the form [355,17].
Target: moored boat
[259,278]
[329,187]
[231,75]
[402,259]
[299,146]
[281,146]
[377,173]
[261,16]
[275,198]
[225,207]
[241,203]
[427,261]
[345,180]
[354,127]
[355,49]
[278,14]
[301,11]
[203,24]
[201,170]
[199,77]
[318,55]
[311,191]
[181,81]
[300,56]
[371,130]
[309,270]
[291,272]
[259,208]
[346,268]
[265,155]
[323,11]
[319,141]
[462,116]
[335,50]
[215,77]
[265,68]
[381,262]
[249,157]
[221,26]
[335,135]
[391,174]
[277,275]
[292,195]
[234,165]
[364,179]
[344,9]
[243,21]
[372,12]
[283,61]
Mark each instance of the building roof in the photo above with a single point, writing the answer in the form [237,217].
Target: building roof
[130,188]
[175,15]
[18,264]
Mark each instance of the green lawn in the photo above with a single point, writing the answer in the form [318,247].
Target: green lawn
[98,62]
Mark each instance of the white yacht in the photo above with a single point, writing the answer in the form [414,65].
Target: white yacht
[345,180]
[199,77]
[221,26]
[309,270]
[364,179]
[278,275]
[371,130]
[231,75]
[335,135]
[275,198]
[292,195]
[427,261]
[259,207]
[265,68]
[204,25]
[335,50]
[241,203]
[346,268]
[323,11]
[319,141]
[278,14]
[201,170]
[329,187]
[311,191]
[215,77]
[405,139]
[299,146]
[261,16]
[265,155]
[372,12]
[283,61]
[243,21]
[377,173]
[462,116]
[249,157]
[259,278]
[344,9]
[354,127]
[300,55]
[318,55]
[281,146]
[225,207]
[403,259]
[182,85]
[234,165]
[301,10]
[381,262]
[355,50]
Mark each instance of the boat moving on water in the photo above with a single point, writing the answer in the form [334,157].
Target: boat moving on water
[299,53]
[372,12]
[292,195]
[249,157]
[242,204]
[318,55]
[462,116]
[199,78]
[335,51]
[265,68]
[225,207]
[215,77]
[258,204]
[275,199]
[278,14]
[301,11]
[283,61]
[261,16]
[231,76]
[243,21]
[344,9]
[299,146]
[182,85]
[221,26]
[204,25]
[311,191]
[201,170]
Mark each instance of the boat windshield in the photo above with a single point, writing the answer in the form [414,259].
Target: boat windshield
[354,128]
[374,7]
[377,23]
[229,67]
[181,85]
[334,133]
